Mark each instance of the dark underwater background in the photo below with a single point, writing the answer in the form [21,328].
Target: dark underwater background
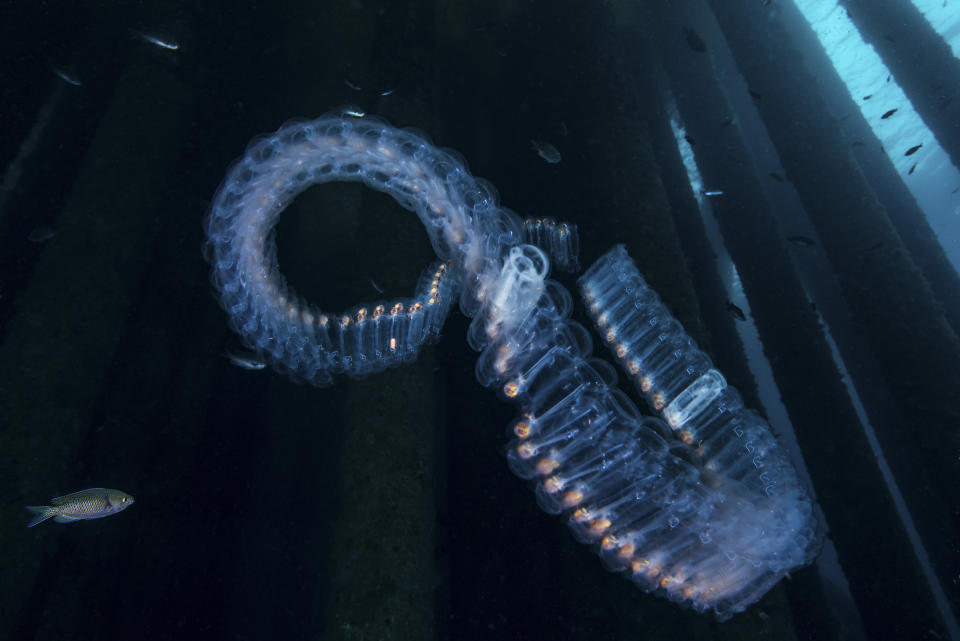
[383,508]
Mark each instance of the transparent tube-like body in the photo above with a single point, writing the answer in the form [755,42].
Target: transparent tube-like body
[712,526]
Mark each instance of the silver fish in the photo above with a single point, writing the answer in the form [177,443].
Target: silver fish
[67,79]
[546,151]
[245,360]
[41,234]
[169,45]
[95,503]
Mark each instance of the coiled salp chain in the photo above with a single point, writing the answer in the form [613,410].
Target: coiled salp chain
[687,508]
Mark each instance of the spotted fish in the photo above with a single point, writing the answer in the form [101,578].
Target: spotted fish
[95,503]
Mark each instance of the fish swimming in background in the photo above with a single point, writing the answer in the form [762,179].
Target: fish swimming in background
[95,503]
[694,41]
[913,150]
[735,311]
[802,241]
[41,234]
[70,80]
[169,45]
[888,114]
[246,360]
[546,151]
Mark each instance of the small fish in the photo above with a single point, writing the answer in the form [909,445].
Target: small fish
[736,312]
[376,287]
[67,79]
[713,192]
[868,96]
[169,45]
[245,360]
[694,41]
[776,176]
[913,150]
[41,234]
[353,86]
[690,140]
[888,114]
[546,151]
[955,190]
[888,77]
[95,503]
[386,93]
[912,169]
[356,113]
[756,95]
[486,25]
[802,241]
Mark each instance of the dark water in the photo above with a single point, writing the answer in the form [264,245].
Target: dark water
[383,508]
